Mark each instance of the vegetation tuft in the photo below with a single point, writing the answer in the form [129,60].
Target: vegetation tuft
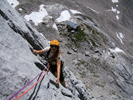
[88,27]
[79,37]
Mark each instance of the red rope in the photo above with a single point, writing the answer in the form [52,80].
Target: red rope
[30,87]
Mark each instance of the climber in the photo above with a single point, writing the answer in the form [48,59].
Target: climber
[54,60]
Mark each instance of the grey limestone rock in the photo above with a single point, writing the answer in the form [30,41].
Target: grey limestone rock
[18,64]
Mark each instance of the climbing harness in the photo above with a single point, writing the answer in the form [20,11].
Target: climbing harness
[27,84]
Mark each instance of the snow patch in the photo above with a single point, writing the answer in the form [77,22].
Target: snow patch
[117,17]
[92,9]
[65,15]
[116,50]
[54,26]
[20,9]
[13,3]
[115,10]
[75,11]
[120,36]
[37,17]
[115,1]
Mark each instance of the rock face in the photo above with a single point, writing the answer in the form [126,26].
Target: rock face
[91,53]
[18,64]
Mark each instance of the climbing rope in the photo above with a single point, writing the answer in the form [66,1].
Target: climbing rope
[30,87]
[26,85]
[35,89]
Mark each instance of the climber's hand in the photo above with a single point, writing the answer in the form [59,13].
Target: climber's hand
[57,81]
[35,51]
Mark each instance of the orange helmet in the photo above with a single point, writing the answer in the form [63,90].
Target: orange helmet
[55,42]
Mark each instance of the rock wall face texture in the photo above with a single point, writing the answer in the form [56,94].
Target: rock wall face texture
[98,67]
[18,64]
